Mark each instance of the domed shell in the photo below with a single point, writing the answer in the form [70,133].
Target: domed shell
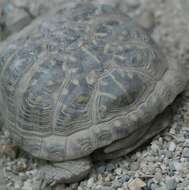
[79,79]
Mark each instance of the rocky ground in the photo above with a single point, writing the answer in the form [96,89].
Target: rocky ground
[163,163]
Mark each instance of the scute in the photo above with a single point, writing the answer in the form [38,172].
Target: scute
[40,94]
[117,91]
[73,112]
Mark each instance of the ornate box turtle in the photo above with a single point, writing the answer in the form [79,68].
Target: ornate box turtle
[84,81]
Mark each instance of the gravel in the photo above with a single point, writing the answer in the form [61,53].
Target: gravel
[163,163]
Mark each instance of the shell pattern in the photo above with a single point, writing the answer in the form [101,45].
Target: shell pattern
[70,79]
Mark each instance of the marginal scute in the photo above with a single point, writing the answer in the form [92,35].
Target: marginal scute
[18,62]
[120,131]
[85,144]
[34,113]
[55,151]
[33,144]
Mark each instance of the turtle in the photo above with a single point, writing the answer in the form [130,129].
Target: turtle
[85,82]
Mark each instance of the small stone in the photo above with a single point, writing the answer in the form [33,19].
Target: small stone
[172,131]
[106,188]
[171,167]
[169,154]
[90,182]
[73,186]
[134,166]
[136,184]
[125,185]
[18,185]
[60,187]
[163,187]
[101,169]
[27,185]
[8,150]
[110,167]
[21,166]
[150,182]
[154,148]
[158,177]
[177,165]
[108,178]
[185,153]
[171,183]
[124,178]
[100,178]
[186,143]
[154,186]
[116,184]
[118,171]
[172,146]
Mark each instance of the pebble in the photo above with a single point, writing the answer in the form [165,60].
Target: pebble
[178,166]
[171,183]
[108,178]
[21,166]
[136,184]
[116,184]
[118,171]
[27,185]
[101,169]
[9,150]
[123,178]
[169,154]
[107,188]
[153,186]
[185,153]
[110,167]
[90,182]
[158,177]
[155,148]
[61,187]
[163,187]
[171,168]
[172,146]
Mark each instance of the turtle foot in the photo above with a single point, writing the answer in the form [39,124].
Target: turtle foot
[137,138]
[66,172]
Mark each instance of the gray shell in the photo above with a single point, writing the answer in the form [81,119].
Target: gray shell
[80,79]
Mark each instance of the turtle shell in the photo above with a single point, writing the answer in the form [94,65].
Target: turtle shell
[81,78]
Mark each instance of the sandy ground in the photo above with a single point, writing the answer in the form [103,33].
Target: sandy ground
[161,164]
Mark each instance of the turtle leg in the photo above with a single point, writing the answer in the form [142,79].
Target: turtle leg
[135,139]
[66,172]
